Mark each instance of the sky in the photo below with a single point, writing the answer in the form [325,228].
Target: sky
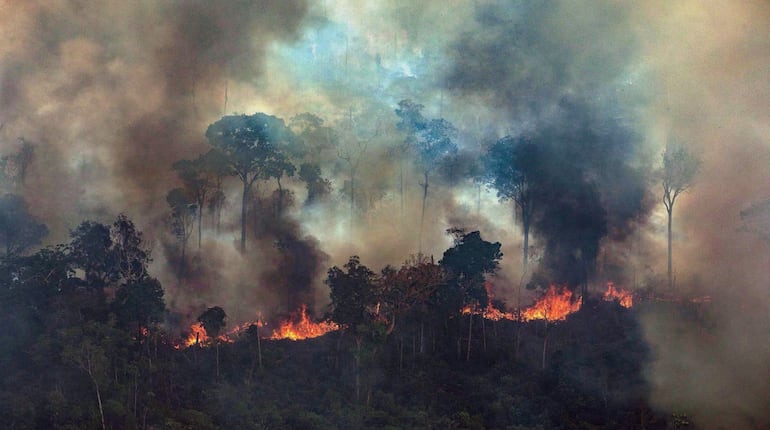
[112,93]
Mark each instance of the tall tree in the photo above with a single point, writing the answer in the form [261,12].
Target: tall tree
[251,144]
[510,167]
[213,321]
[91,250]
[353,299]
[19,230]
[432,140]
[183,214]
[131,258]
[466,263]
[201,177]
[679,169]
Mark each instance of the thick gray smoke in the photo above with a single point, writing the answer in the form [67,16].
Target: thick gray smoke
[112,93]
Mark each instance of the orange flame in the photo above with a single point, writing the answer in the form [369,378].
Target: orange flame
[197,336]
[555,305]
[624,298]
[300,327]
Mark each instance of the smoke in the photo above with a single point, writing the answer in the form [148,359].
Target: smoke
[558,69]
[114,92]
[111,94]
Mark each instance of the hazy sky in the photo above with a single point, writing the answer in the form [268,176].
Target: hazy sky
[111,93]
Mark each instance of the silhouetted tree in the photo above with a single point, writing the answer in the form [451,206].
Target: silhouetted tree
[213,321]
[201,177]
[353,300]
[139,304]
[511,167]
[91,250]
[131,259]
[251,146]
[679,169]
[317,186]
[466,263]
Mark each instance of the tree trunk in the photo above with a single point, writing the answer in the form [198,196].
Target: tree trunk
[244,199]
[358,369]
[259,346]
[352,202]
[98,395]
[545,344]
[670,265]
[470,334]
[200,218]
[525,257]
[216,342]
[422,214]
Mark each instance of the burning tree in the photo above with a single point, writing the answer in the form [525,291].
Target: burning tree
[679,169]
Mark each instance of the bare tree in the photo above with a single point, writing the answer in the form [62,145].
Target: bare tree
[679,169]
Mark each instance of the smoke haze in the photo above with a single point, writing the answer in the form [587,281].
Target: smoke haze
[112,93]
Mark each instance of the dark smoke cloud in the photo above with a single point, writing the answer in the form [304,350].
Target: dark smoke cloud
[559,85]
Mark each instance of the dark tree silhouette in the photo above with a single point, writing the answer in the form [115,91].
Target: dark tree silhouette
[213,321]
[466,263]
[353,299]
[679,169]
[91,250]
[251,145]
[131,259]
[201,178]
[511,166]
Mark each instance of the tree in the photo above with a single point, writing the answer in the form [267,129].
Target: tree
[353,300]
[19,230]
[510,167]
[466,263]
[131,259]
[679,169]
[91,250]
[251,146]
[201,177]
[213,321]
[139,304]
[318,187]
[433,141]
[183,213]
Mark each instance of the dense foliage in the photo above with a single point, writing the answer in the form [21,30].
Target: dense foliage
[84,348]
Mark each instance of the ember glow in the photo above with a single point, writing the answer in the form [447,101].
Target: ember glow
[555,305]
[299,327]
[197,336]
[624,298]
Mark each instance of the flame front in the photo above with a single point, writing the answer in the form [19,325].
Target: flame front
[300,327]
[555,305]
[625,298]
[197,336]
